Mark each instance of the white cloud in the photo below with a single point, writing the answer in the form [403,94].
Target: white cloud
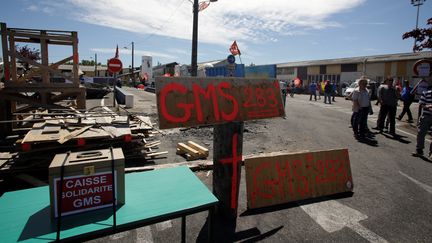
[33,8]
[220,23]
[129,52]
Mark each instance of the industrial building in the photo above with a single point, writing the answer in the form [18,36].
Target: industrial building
[346,70]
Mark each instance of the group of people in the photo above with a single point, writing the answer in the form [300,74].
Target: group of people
[388,96]
[329,89]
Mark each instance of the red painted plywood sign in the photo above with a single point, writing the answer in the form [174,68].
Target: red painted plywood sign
[292,177]
[84,193]
[114,65]
[184,102]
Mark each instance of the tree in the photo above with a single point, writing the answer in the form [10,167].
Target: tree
[87,62]
[423,37]
[30,53]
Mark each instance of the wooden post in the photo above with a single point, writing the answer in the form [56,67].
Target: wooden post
[6,64]
[227,157]
[5,115]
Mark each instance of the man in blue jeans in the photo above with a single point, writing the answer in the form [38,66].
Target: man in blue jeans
[312,90]
[425,122]
[361,103]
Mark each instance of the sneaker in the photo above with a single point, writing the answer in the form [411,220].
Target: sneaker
[418,153]
[399,118]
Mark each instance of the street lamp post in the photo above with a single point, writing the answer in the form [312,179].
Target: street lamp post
[132,64]
[195,37]
[417,3]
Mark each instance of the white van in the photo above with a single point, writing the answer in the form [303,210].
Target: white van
[372,84]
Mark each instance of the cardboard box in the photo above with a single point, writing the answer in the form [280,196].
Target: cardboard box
[87,180]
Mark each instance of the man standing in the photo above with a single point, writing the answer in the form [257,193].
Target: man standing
[425,121]
[361,103]
[312,90]
[327,92]
[407,99]
[388,97]
[334,90]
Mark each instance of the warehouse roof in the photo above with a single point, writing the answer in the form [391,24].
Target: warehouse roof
[369,59]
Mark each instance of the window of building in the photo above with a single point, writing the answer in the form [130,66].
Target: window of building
[349,67]
[323,69]
[285,71]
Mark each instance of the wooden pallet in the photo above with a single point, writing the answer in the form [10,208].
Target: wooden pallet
[192,151]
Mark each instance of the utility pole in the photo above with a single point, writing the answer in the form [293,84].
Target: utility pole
[194,39]
[133,76]
[95,73]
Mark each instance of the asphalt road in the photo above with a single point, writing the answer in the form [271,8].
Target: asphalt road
[392,190]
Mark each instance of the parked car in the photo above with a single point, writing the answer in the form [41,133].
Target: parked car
[372,85]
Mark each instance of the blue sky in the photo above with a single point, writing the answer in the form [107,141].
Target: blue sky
[267,31]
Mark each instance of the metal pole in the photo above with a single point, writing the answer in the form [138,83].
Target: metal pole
[133,76]
[114,89]
[418,10]
[95,65]
[417,3]
[194,39]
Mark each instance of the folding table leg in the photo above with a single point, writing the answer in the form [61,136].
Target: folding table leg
[210,225]
[183,229]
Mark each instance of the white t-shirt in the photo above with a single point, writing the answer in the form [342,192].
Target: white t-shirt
[362,97]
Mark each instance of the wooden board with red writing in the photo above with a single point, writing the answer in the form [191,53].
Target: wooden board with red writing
[285,178]
[192,101]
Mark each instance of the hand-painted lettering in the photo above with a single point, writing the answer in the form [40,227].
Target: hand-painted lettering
[281,179]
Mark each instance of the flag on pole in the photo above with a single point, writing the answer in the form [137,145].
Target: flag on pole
[117,53]
[203,6]
[234,49]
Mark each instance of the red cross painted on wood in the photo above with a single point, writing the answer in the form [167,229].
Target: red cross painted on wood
[233,160]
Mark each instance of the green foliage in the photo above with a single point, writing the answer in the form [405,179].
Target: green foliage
[30,53]
[423,37]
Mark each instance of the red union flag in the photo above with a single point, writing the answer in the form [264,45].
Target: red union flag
[203,6]
[234,49]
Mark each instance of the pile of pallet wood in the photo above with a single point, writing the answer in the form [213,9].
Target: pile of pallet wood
[60,132]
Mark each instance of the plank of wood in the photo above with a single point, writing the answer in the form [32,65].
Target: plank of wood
[156,154]
[63,139]
[194,166]
[103,120]
[185,148]
[152,144]
[202,150]
[31,180]
[51,129]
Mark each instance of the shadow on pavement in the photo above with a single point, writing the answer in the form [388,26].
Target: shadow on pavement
[424,158]
[289,205]
[369,140]
[225,231]
[397,137]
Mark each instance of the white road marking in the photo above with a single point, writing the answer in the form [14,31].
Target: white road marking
[333,216]
[144,235]
[163,225]
[422,185]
